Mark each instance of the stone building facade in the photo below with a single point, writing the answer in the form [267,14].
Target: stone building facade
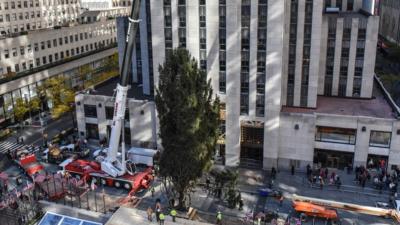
[295,77]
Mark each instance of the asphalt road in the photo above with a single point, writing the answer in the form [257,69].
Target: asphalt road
[32,135]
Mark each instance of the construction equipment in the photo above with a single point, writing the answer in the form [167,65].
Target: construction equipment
[55,154]
[375,211]
[313,210]
[112,170]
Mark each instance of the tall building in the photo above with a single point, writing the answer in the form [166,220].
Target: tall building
[44,38]
[295,78]
[390,20]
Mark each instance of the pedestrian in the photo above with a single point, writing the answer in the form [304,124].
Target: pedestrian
[150,214]
[207,183]
[219,218]
[241,204]
[338,182]
[162,218]
[158,209]
[259,220]
[292,170]
[326,173]
[281,198]
[152,191]
[273,173]
[173,214]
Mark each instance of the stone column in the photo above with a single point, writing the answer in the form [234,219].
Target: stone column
[158,37]
[352,57]
[338,56]
[233,34]
[273,87]
[192,28]
[212,24]
[315,54]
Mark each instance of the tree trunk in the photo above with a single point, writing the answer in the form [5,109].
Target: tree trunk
[181,200]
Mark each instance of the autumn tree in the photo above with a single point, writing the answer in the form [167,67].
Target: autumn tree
[59,93]
[188,117]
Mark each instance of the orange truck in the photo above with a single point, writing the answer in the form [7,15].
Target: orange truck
[313,210]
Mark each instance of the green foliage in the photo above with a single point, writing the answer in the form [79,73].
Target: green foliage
[20,109]
[188,122]
[34,104]
[111,63]
[84,72]
[227,180]
[62,97]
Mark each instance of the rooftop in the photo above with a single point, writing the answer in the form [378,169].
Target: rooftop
[375,107]
[107,88]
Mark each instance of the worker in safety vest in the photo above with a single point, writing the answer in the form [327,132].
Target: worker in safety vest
[173,214]
[162,218]
[219,218]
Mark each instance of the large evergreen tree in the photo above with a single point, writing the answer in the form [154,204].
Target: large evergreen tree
[188,117]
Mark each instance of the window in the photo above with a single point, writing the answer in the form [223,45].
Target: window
[90,111]
[336,135]
[14,52]
[109,112]
[380,139]
[6,54]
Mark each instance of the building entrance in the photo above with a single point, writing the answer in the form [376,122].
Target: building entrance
[252,144]
[377,161]
[333,159]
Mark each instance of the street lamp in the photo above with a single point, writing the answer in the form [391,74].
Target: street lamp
[72,105]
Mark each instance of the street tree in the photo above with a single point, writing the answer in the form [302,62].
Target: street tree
[189,121]
[60,94]
[84,73]
[34,104]
[111,63]
[20,110]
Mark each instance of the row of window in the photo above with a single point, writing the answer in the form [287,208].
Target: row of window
[22,66]
[348,136]
[29,4]
[292,52]
[339,4]
[203,35]
[50,43]
[91,111]
[245,57]
[222,44]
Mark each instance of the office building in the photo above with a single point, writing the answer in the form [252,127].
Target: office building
[40,39]
[295,78]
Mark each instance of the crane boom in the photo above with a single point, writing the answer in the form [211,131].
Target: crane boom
[111,165]
[375,211]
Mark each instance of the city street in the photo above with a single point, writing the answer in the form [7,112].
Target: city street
[32,134]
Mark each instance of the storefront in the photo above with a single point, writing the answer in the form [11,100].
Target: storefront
[332,159]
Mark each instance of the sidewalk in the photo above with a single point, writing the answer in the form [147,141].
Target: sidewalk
[125,216]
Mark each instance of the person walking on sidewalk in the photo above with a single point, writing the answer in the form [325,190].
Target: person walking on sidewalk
[162,218]
[219,218]
[150,214]
[292,170]
[173,215]
[158,209]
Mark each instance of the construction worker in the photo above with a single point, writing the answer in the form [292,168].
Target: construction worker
[219,218]
[162,218]
[173,214]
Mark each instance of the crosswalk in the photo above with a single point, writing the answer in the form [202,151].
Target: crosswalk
[12,146]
